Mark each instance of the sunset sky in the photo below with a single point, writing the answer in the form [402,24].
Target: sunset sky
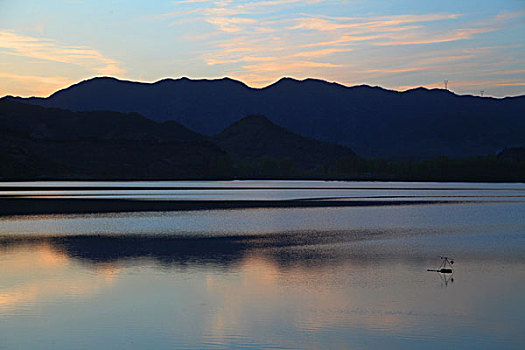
[398,44]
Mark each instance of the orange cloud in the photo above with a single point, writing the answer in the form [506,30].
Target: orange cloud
[189,1]
[443,59]
[230,25]
[511,71]
[50,50]
[328,23]
[510,15]
[510,84]
[458,35]
[345,39]
[31,85]
[212,61]
[285,67]
[323,52]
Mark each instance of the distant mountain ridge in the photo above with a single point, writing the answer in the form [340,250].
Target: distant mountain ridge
[418,123]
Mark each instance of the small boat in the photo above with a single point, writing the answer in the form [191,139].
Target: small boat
[445,267]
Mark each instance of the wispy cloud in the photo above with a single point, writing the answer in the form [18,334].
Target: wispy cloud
[443,59]
[370,23]
[351,42]
[512,71]
[461,34]
[178,2]
[50,50]
[283,67]
[32,85]
[230,24]
[510,15]
[322,52]
[520,83]
[43,52]
[255,39]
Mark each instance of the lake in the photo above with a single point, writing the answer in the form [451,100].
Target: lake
[347,271]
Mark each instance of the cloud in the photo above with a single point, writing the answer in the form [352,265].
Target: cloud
[298,43]
[455,36]
[178,2]
[31,85]
[286,67]
[50,50]
[220,12]
[230,25]
[371,23]
[398,70]
[512,71]
[521,83]
[322,52]
[213,61]
[443,59]
[510,15]
[385,31]
[229,7]
[344,39]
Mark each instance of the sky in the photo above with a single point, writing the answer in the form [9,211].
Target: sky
[476,45]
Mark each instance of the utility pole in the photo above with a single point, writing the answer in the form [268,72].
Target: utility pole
[446,84]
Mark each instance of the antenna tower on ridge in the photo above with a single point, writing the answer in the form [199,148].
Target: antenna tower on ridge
[446,84]
[482,92]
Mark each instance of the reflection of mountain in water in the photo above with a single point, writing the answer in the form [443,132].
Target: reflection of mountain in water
[359,247]
[301,248]
[167,250]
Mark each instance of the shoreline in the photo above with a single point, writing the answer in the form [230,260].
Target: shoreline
[305,178]
[37,206]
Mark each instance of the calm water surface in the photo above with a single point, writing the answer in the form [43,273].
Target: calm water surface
[308,278]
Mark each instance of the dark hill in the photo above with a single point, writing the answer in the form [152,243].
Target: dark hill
[53,123]
[370,120]
[36,142]
[255,136]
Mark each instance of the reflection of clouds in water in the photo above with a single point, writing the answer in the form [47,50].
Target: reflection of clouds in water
[314,300]
[281,291]
[38,273]
[16,261]
[389,297]
[254,284]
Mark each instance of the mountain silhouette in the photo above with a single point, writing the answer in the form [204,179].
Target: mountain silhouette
[54,123]
[37,142]
[372,121]
[50,143]
[256,136]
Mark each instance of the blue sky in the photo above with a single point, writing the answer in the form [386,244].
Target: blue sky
[476,45]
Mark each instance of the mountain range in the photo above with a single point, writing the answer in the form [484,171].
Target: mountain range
[372,121]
